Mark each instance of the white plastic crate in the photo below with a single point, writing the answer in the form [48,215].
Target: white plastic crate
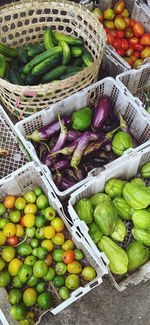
[137,122]
[127,169]
[8,140]
[139,11]
[111,65]
[25,179]
[136,82]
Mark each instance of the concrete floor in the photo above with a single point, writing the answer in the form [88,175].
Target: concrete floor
[106,306]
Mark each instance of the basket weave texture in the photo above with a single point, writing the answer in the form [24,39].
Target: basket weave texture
[23,23]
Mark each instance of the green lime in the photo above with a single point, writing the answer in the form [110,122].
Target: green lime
[30,197]
[40,221]
[2,209]
[60,268]
[40,269]
[40,233]
[45,300]
[30,232]
[15,296]
[4,279]
[49,213]
[16,283]
[88,273]
[58,254]
[64,293]
[78,254]
[42,201]
[3,222]
[72,281]
[30,260]
[58,281]
[18,312]
[29,297]
[50,274]
[32,281]
[37,190]
[41,287]
[34,243]
[15,216]
[25,273]
[2,264]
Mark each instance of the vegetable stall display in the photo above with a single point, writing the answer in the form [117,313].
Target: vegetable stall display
[40,266]
[108,215]
[58,57]
[127,36]
[73,145]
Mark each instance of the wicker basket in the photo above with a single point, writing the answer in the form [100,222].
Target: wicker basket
[25,22]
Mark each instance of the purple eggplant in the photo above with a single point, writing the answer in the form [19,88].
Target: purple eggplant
[79,174]
[48,130]
[45,159]
[101,112]
[79,150]
[67,150]
[62,136]
[59,165]
[73,135]
[65,184]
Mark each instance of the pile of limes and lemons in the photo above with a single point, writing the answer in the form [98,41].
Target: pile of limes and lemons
[37,253]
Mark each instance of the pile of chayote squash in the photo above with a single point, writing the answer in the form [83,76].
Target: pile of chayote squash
[107,213]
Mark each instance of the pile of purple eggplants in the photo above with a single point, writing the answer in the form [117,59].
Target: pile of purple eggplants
[73,145]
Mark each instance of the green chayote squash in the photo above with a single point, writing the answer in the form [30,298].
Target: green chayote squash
[121,142]
[123,208]
[138,255]
[137,196]
[106,215]
[84,210]
[117,256]
[142,236]
[138,181]
[114,187]
[98,198]
[141,219]
[81,120]
[94,232]
[120,231]
[145,170]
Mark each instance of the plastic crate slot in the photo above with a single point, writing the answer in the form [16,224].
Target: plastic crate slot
[79,294]
[93,285]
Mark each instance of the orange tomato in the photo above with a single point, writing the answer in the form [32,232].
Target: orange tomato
[125,13]
[138,29]
[128,60]
[68,256]
[145,39]
[119,7]
[9,201]
[127,21]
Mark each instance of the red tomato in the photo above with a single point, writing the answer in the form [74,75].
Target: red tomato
[133,40]
[145,39]
[127,21]
[120,23]
[138,29]
[119,7]
[114,32]
[121,52]
[128,60]
[120,33]
[22,222]
[133,58]
[68,256]
[12,241]
[110,39]
[124,44]
[138,47]
[125,13]
[117,43]
[132,22]
[137,63]
[129,51]
[145,53]
[107,30]
[129,32]
[137,54]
